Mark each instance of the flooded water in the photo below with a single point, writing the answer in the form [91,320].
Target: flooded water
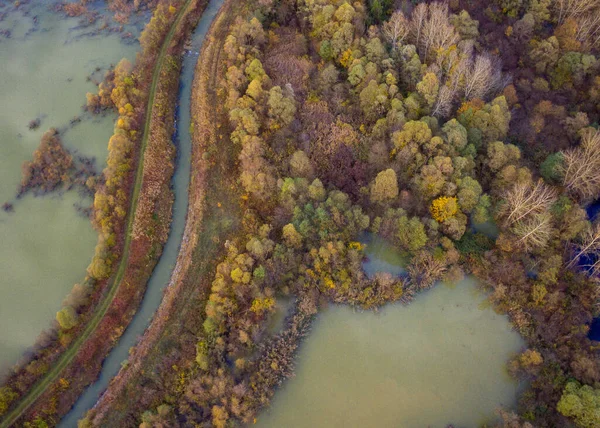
[441,360]
[382,257]
[45,245]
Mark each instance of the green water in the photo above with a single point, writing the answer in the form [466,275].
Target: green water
[381,256]
[45,245]
[438,361]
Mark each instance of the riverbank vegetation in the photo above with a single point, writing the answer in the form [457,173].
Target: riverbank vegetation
[422,123]
[122,9]
[132,210]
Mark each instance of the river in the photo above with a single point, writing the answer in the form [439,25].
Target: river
[440,360]
[162,272]
[45,244]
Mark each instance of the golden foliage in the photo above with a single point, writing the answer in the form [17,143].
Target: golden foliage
[443,208]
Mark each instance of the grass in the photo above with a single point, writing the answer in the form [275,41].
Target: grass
[67,357]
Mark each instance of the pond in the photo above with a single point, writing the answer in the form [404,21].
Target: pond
[441,360]
[45,244]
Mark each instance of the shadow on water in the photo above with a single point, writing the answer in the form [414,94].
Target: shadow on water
[592,211]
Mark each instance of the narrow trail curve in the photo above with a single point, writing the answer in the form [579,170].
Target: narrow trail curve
[67,357]
[200,97]
[173,264]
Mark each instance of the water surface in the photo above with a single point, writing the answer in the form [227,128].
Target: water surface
[381,256]
[162,271]
[440,360]
[45,245]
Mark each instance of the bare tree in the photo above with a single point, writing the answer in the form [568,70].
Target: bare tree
[443,104]
[430,28]
[581,166]
[396,29]
[588,250]
[574,8]
[586,14]
[533,231]
[525,200]
[525,213]
[437,32]
[424,270]
[482,77]
[418,18]
[588,29]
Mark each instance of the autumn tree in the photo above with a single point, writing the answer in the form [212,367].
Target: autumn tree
[385,186]
[581,403]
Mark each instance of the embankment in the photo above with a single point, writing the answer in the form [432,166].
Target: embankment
[67,373]
[211,198]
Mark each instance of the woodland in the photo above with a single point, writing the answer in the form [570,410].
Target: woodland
[422,122]
[465,133]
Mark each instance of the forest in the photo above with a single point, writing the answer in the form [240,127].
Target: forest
[422,122]
[465,133]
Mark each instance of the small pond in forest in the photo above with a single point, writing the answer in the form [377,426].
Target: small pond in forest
[440,360]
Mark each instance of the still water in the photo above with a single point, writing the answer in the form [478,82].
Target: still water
[45,244]
[438,361]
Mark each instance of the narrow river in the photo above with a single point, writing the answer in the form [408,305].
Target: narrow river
[162,272]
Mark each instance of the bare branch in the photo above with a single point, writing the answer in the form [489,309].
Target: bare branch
[396,29]
[581,166]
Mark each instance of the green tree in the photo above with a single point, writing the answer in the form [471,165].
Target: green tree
[282,108]
[345,13]
[385,186]
[255,70]
[550,168]
[544,54]
[469,191]
[413,131]
[456,135]
[582,403]
[467,27]
[374,100]
[500,155]
[429,88]
[411,234]
[7,395]
[67,318]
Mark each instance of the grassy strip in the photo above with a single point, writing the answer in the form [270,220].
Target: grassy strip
[40,387]
[203,237]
